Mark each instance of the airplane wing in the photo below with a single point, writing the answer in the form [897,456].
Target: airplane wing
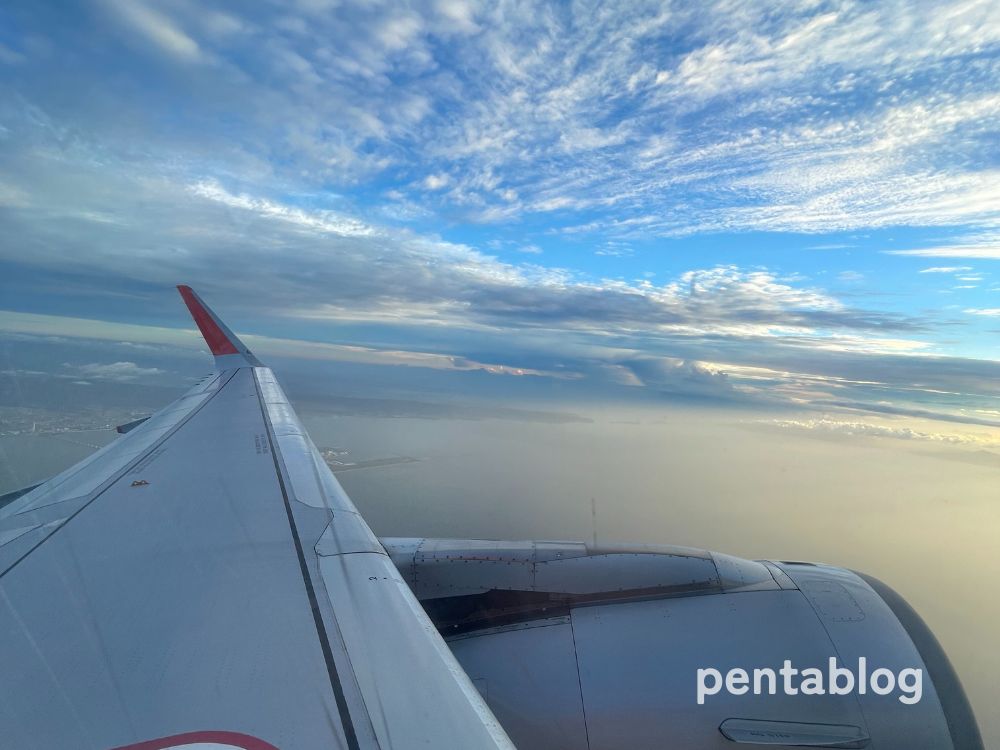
[204,581]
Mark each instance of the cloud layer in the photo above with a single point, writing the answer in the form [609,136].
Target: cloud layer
[476,187]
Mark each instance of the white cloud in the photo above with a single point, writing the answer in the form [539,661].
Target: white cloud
[991,312]
[370,355]
[615,250]
[684,378]
[792,117]
[789,117]
[458,15]
[322,221]
[124,372]
[156,27]
[137,336]
[346,268]
[820,170]
[990,251]
[946,269]
[436,181]
[868,429]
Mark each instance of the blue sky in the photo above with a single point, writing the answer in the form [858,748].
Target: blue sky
[778,203]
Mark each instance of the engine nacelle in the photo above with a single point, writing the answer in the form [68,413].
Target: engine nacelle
[580,647]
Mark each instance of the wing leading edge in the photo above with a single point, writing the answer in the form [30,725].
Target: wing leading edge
[207,573]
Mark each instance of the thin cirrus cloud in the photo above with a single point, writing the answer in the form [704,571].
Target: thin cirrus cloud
[152,26]
[987,249]
[567,110]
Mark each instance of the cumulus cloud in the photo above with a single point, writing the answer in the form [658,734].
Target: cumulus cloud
[123,372]
[681,378]
[867,429]
[436,181]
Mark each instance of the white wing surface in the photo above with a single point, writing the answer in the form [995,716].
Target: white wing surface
[204,581]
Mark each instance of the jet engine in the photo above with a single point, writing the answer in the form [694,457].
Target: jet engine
[580,647]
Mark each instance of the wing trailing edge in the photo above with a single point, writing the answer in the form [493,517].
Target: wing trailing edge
[226,347]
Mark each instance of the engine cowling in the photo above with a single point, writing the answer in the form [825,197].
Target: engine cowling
[598,647]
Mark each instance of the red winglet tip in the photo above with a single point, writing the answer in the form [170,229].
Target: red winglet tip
[217,340]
